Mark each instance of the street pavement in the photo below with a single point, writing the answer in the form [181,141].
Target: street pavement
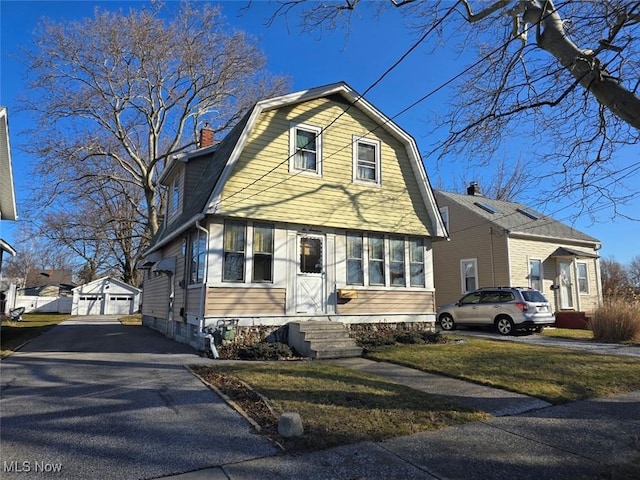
[105,401]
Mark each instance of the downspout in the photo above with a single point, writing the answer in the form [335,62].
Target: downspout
[203,288]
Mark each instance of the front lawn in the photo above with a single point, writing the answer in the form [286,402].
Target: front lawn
[14,334]
[337,405]
[553,374]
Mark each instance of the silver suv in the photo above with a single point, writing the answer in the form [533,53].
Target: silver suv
[507,308]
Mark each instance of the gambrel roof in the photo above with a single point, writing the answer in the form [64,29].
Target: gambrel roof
[516,218]
[206,197]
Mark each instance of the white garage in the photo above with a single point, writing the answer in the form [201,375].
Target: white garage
[105,296]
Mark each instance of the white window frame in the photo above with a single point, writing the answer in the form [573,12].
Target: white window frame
[540,286]
[378,170]
[463,284]
[586,278]
[444,213]
[293,128]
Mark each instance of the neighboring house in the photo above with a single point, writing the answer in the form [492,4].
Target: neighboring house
[7,207]
[105,296]
[497,243]
[46,291]
[315,206]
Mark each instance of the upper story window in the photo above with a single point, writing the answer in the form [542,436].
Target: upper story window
[444,213]
[366,160]
[305,149]
[173,202]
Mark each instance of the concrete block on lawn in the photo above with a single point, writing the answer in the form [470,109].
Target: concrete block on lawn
[290,425]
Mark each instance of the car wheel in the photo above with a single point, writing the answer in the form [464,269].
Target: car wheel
[446,322]
[539,329]
[504,325]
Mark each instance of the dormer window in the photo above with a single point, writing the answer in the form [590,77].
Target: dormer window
[305,149]
[174,200]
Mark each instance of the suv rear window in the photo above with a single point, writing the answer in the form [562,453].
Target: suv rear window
[533,296]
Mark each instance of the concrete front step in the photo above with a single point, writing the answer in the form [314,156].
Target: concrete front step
[345,352]
[322,339]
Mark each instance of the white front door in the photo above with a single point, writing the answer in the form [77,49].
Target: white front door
[566,285]
[311,287]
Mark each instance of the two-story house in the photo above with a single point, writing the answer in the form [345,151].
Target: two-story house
[315,206]
[497,243]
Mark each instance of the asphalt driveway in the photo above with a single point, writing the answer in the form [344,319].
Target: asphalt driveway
[94,399]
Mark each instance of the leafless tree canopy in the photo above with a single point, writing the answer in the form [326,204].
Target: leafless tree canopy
[561,76]
[118,94]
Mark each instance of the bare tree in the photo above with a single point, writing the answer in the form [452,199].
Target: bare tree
[634,271]
[615,278]
[34,252]
[562,77]
[117,95]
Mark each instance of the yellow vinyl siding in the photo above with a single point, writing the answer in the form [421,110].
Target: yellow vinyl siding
[229,301]
[261,186]
[388,302]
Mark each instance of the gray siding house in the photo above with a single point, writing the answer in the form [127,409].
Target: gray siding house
[497,243]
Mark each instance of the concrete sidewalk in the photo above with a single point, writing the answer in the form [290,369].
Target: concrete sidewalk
[526,439]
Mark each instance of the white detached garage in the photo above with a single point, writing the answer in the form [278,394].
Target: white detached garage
[105,296]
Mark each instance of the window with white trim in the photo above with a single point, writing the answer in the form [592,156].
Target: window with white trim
[535,274]
[583,278]
[366,160]
[234,251]
[262,252]
[397,262]
[355,259]
[416,262]
[444,213]
[197,254]
[376,260]
[469,274]
[305,149]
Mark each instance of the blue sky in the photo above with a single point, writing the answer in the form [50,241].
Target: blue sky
[312,59]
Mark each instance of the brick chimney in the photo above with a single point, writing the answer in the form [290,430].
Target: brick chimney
[474,189]
[207,136]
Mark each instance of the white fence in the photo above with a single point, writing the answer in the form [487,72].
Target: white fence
[44,304]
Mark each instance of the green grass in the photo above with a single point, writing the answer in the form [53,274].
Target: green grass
[340,406]
[573,333]
[15,334]
[135,319]
[552,374]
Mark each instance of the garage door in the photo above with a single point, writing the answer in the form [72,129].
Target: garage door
[90,305]
[119,305]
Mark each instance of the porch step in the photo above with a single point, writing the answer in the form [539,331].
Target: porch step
[322,339]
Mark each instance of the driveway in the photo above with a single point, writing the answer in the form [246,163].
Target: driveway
[569,343]
[94,399]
